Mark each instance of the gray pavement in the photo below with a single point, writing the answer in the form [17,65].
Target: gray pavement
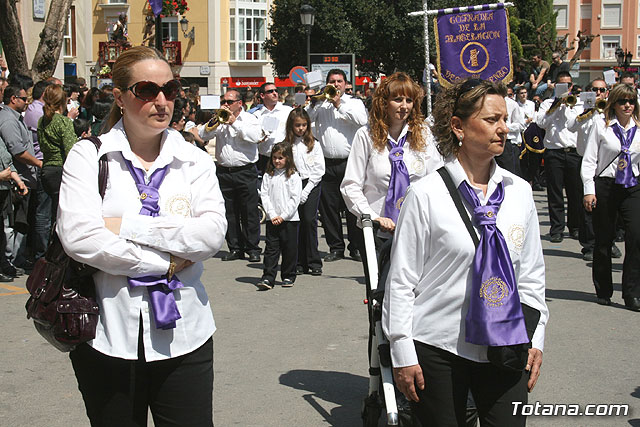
[298,356]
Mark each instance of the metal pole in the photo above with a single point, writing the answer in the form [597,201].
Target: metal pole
[158,40]
[426,54]
[308,30]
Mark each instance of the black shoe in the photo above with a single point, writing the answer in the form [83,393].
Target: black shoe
[575,234]
[334,256]
[26,265]
[604,301]
[615,252]
[588,256]
[301,270]
[316,271]
[12,271]
[4,278]
[355,255]
[233,255]
[556,238]
[264,285]
[632,303]
[537,187]
[287,283]
[620,236]
[254,257]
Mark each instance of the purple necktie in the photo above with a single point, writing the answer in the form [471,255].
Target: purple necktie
[163,303]
[495,316]
[399,181]
[624,172]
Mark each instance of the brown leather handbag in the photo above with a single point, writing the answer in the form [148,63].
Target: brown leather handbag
[62,302]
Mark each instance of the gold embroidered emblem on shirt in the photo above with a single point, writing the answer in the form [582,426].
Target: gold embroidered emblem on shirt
[178,205]
[399,202]
[417,165]
[493,291]
[516,235]
[143,196]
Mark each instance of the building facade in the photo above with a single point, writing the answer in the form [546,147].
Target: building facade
[617,22]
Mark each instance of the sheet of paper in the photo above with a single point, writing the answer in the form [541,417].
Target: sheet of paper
[210,102]
[610,77]
[300,98]
[561,89]
[314,78]
[270,124]
[589,99]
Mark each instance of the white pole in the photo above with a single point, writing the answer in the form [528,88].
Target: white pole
[425,9]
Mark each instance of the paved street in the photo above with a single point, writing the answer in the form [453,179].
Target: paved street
[297,357]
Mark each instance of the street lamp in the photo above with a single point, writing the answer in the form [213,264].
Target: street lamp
[620,57]
[184,26]
[307,13]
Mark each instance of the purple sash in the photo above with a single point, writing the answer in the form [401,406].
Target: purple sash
[163,302]
[624,172]
[399,181]
[495,316]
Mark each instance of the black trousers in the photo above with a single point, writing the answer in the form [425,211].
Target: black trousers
[262,163]
[118,392]
[332,204]
[308,255]
[448,379]
[51,179]
[612,200]
[509,159]
[281,239]
[562,170]
[239,188]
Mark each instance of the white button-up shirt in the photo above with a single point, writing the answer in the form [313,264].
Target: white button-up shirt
[236,144]
[528,109]
[602,152]
[280,112]
[515,121]
[555,124]
[366,178]
[335,128]
[429,282]
[281,195]
[310,165]
[191,225]
[582,127]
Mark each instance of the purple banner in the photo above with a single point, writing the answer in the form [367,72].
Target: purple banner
[473,44]
[156,6]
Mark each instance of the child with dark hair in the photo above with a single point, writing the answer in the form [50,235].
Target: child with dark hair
[280,194]
[82,128]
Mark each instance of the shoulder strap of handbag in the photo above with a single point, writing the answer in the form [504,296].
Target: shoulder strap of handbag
[103,171]
[608,164]
[457,200]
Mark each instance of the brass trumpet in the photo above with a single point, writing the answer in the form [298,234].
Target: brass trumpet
[329,92]
[570,100]
[223,115]
[600,105]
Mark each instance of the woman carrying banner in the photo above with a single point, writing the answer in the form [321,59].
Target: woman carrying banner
[161,216]
[452,308]
[612,156]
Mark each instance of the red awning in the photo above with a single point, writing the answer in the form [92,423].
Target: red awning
[234,82]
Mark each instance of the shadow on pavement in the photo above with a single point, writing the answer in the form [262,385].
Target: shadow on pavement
[340,388]
[636,393]
[561,253]
[635,422]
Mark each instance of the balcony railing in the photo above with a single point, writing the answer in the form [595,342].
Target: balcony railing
[110,51]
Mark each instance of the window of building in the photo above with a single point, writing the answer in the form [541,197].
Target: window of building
[69,35]
[585,11]
[117,1]
[562,19]
[609,46]
[170,29]
[248,28]
[611,15]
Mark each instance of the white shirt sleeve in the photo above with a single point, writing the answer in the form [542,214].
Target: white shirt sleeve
[353,111]
[590,159]
[294,188]
[264,196]
[248,128]
[355,175]
[316,171]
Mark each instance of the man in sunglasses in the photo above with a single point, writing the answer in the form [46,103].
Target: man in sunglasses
[273,118]
[236,155]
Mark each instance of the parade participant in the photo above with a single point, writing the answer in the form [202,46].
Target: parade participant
[236,155]
[393,151]
[509,159]
[309,161]
[336,122]
[280,193]
[438,278]
[56,137]
[272,111]
[527,107]
[161,217]
[609,172]
[561,162]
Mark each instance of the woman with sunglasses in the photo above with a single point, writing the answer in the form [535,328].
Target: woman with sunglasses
[162,215]
[450,305]
[609,172]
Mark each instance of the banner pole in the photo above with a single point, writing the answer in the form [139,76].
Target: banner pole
[425,8]
[462,9]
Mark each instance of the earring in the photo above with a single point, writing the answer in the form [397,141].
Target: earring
[460,140]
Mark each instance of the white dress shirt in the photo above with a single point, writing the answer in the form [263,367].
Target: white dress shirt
[603,148]
[528,109]
[236,144]
[515,121]
[555,124]
[366,178]
[310,165]
[335,128]
[429,282]
[281,195]
[280,112]
[582,127]
[191,225]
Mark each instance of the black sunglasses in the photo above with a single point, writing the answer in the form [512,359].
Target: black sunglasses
[600,89]
[466,87]
[24,98]
[228,101]
[624,101]
[270,91]
[148,91]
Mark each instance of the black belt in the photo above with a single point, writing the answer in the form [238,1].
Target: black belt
[333,162]
[566,149]
[235,168]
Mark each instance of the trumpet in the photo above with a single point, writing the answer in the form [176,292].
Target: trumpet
[570,100]
[329,92]
[221,117]
[600,105]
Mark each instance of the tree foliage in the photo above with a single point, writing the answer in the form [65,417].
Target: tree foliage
[537,28]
